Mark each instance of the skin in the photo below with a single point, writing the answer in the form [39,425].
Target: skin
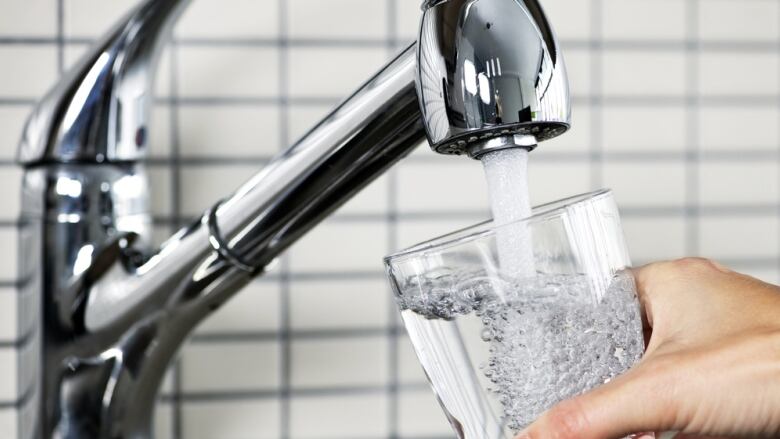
[711,369]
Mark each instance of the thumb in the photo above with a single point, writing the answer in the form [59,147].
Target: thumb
[635,402]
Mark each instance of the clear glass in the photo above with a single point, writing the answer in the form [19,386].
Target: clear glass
[501,344]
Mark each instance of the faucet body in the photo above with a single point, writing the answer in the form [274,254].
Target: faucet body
[102,314]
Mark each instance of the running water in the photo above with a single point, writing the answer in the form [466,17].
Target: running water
[506,172]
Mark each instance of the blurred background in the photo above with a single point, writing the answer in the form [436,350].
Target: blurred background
[676,108]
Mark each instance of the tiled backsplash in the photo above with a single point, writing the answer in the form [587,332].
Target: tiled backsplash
[676,107]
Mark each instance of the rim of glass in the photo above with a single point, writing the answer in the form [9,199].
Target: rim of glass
[480,230]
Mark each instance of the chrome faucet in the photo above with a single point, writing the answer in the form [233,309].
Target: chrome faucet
[103,314]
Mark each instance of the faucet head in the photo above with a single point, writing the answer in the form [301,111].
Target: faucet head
[490,76]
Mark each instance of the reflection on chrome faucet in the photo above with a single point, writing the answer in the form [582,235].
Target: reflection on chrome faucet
[104,314]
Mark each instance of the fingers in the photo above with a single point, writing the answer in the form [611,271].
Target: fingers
[630,403]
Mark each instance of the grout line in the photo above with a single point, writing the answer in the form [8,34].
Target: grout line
[60,36]
[285,368]
[624,100]
[596,148]
[393,359]
[231,395]
[755,46]
[692,156]
[175,170]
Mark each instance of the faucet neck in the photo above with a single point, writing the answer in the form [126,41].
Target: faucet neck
[99,112]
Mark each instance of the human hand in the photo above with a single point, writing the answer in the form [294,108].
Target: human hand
[711,368]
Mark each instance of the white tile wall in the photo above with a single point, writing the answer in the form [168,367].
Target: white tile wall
[645,73]
[339,363]
[642,128]
[640,20]
[676,107]
[315,305]
[739,126]
[253,366]
[310,70]
[726,20]
[227,71]
[235,419]
[33,70]
[225,19]
[342,417]
[306,19]
[228,131]
[726,73]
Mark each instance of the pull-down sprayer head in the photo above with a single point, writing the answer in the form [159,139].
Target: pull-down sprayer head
[490,76]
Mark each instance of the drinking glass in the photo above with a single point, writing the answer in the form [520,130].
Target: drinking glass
[499,343]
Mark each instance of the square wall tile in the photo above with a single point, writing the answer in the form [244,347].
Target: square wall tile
[339,304]
[643,73]
[347,19]
[731,237]
[340,246]
[33,18]
[12,120]
[255,308]
[459,186]
[160,182]
[339,417]
[739,183]
[726,74]
[421,416]
[644,128]
[641,19]
[738,20]
[347,69]
[230,19]
[550,180]
[8,258]
[203,185]
[11,182]
[228,71]
[8,423]
[8,387]
[654,238]
[228,131]
[93,18]
[32,72]
[322,363]
[242,419]
[233,366]
[650,184]
[163,421]
[8,311]
[571,20]
[408,20]
[729,127]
